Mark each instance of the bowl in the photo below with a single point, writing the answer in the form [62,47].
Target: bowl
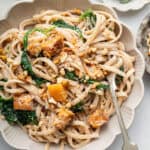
[15,136]
[132,5]
[143,31]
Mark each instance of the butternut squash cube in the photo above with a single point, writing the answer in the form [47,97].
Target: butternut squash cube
[58,92]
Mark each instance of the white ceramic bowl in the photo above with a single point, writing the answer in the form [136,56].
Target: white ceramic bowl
[15,136]
[132,5]
[142,33]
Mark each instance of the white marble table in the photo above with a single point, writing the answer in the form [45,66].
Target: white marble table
[140,129]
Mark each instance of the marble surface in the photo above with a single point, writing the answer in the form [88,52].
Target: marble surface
[140,129]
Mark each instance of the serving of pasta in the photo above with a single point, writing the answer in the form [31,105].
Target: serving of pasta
[148,43]
[53,79]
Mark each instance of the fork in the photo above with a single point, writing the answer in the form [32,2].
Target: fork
[127,144]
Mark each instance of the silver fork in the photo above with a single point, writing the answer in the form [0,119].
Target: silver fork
[127,144]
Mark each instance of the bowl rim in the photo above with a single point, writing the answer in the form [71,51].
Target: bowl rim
[129,7]
[17,3]
[139,38]
[6,14]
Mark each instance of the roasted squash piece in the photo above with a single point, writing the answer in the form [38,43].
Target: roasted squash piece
[22,102]
[58,92]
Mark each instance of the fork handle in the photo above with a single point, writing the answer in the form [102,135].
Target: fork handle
[119,116]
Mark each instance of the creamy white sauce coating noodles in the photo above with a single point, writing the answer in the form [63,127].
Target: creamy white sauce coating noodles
[148,43]
[56,65]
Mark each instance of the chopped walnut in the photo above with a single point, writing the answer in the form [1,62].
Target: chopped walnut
[3,55]
[60,58]
[97,119]
[64,117]
[65,14]
[94,71]
[53,45]
[24,77]
[34,48]
[44,95]
[76,11]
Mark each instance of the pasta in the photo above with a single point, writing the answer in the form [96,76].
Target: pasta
[148,43]
[54,67]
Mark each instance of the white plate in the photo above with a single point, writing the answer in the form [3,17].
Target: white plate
[15,136]
[132,5]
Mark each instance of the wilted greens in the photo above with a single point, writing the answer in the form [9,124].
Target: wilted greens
[22,117]
[1,86]
[89,16]
[25,62]
[72,76]
[63,24]
[119,78]
[26,65]
[78,107]
[124,1]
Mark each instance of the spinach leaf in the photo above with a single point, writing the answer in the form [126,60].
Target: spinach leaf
[26,117]
[26,65]
[7,110]
[102,86]
[89,16]
[119,78]
[1,86]
[16,116]
[99,86]
[78,107]
[122,68]
[4,80]
[63,24]
[71,75]
[124,1]
[25,62]
[91,81]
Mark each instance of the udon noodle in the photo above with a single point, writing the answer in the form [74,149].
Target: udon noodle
[56,64]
